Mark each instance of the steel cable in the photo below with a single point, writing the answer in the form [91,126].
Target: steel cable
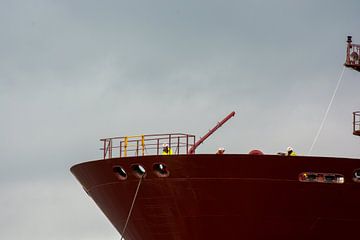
[327,112]
[131,208]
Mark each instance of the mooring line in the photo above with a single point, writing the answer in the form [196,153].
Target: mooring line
[131,208]
[327,112]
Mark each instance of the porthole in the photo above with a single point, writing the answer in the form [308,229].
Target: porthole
[321,177]
[119,172]
[339,179]
[356,176]
[307,177]
[138,170]
[161,170]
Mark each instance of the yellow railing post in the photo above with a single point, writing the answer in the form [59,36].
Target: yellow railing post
[125,147]
[143,144]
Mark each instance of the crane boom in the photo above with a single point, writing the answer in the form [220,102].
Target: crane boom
[211,131]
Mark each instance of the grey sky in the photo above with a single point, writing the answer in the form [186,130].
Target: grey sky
[72,72]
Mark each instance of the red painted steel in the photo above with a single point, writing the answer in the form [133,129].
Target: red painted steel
[352,55]
[353,61]
[227,197]
[211,131]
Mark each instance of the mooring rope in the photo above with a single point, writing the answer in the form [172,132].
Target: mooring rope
[327,111]
[131,208]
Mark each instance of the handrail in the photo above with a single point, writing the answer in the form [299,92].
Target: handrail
[141,145]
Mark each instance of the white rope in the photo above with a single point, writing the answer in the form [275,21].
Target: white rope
[327,112]
[131,208]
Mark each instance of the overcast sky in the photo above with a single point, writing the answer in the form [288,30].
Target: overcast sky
[72,72]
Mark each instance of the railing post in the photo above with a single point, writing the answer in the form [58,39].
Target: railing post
[137,147]
[120,148]
[187,143]
[169,140]
[104,149]
[125,147]
[110,148]
[157,147]
[178,146]
[143,144]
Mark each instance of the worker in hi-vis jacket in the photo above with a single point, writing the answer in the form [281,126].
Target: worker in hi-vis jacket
[166,150]
[290,151]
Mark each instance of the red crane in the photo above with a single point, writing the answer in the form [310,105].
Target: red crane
[211,131]
[353,61]
[352,55]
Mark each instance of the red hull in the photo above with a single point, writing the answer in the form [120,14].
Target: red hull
[226,197]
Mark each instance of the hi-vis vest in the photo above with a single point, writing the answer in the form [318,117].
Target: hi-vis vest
[167,153]
[292,153]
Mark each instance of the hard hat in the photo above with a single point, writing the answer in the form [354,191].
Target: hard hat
[165,145]
[221,149]
[289,149]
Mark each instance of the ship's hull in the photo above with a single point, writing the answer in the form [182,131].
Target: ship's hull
[226,197]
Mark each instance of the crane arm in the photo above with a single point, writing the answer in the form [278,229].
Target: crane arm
[211,131]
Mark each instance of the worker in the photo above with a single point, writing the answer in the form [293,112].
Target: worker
[166,150]
[290,152]
[220,150]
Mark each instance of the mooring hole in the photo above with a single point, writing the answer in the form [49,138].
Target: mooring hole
[120,172]
[138,170]
[161,170]
[356,176]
